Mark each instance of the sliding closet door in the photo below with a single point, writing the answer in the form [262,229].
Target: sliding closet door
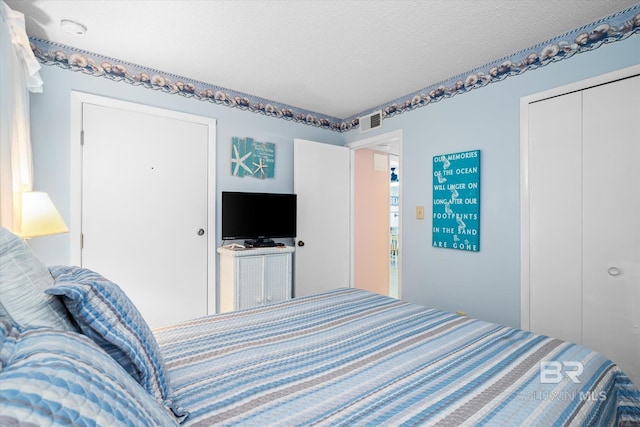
[611,223]
[555,217]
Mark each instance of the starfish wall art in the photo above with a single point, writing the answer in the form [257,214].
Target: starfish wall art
[252,158]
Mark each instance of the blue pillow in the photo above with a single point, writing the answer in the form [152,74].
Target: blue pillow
[106,315]
[59,378]
[23,279]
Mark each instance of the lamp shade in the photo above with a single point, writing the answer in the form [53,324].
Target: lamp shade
[39,216]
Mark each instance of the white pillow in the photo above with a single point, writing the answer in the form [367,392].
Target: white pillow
[23,279]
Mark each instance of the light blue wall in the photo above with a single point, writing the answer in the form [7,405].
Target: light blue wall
[485,284]
[50,115]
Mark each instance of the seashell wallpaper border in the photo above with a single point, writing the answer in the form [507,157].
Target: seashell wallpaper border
[589,37]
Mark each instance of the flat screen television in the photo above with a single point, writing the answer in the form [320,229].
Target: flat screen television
[258,217]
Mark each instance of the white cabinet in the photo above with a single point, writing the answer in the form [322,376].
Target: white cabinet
[581,235]
[254,277]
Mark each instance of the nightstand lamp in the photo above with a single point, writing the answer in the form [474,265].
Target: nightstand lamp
[39,216]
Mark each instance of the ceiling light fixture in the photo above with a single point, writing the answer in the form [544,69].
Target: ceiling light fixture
[72,27]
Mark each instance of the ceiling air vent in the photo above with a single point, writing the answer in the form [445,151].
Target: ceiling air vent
[371,121]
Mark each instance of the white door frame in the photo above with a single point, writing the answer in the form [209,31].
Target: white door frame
[395,135]
[524,172]
[75,217]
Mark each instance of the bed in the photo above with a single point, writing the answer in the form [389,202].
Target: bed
[343,357]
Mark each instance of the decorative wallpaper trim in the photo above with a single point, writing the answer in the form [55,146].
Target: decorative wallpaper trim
[589,37]
[50,53]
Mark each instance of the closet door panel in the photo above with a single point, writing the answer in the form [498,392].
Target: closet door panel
[555,216]
[611,267]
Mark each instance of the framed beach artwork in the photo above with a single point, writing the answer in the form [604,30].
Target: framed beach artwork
[252,158]
[456,201]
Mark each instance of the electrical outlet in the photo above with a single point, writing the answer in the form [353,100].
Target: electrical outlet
[419,212]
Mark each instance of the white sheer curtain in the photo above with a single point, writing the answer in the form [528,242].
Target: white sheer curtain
[19,74]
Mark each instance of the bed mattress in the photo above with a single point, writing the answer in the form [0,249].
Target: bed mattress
[351,357]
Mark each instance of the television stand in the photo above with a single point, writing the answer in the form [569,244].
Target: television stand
[260,243]
[254,277]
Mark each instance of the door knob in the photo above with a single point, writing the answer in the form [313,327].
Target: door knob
[614,271]
[300,243]
[201,232]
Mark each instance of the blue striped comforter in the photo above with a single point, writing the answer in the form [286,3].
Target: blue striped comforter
[350,357]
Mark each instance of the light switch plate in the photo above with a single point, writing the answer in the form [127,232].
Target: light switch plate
[419,212]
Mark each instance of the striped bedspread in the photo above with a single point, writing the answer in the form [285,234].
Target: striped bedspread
[350,357]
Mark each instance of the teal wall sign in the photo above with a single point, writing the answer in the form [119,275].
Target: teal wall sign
[456,201]
[252,158]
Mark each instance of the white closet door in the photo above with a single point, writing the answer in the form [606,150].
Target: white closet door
[611,275]
[144,200]
[555,217]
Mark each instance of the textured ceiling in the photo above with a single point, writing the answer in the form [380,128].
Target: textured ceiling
[338,58]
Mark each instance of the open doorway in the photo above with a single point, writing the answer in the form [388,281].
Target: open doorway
[394,224]
[375,212]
